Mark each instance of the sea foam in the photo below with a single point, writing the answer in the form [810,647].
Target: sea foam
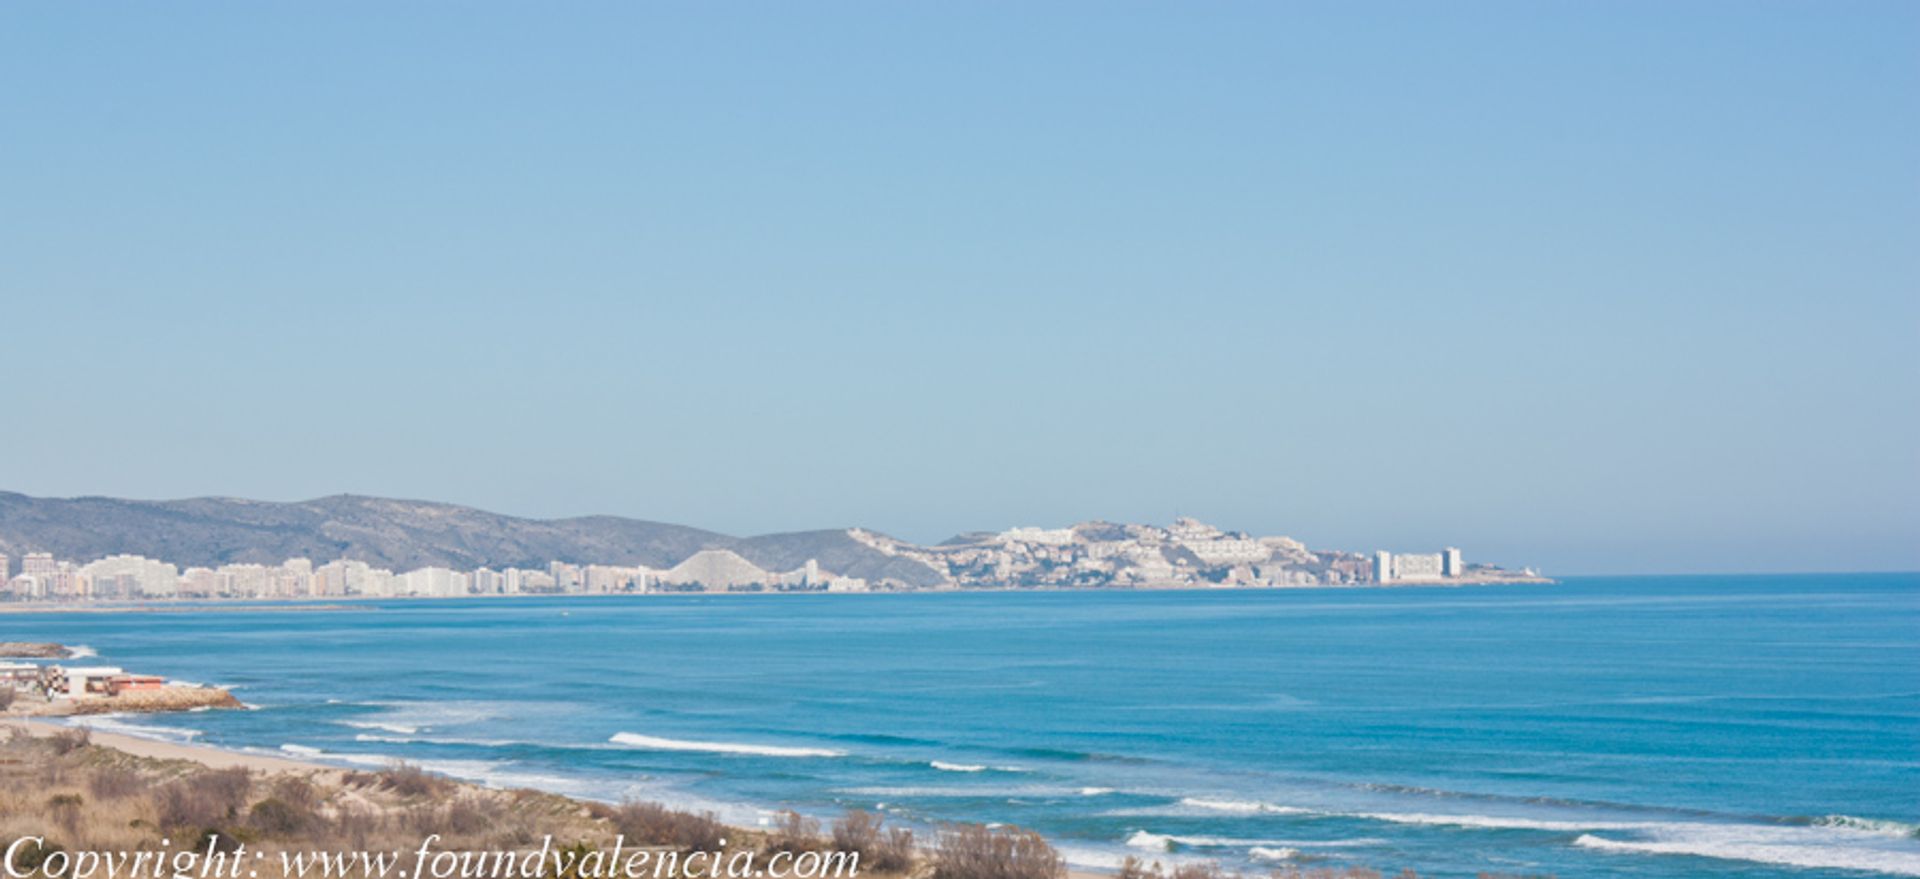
[655,743]
[1805,847]
[1241,807]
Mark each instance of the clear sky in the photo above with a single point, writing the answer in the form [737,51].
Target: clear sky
[1598,287]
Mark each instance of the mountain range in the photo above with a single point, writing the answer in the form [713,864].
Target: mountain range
[402,535]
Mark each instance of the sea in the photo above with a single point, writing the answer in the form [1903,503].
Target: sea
[1764,726]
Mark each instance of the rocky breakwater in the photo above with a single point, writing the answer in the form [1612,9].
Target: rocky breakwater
[47,689]
[33,650]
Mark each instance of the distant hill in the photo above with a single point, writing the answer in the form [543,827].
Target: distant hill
[402,535]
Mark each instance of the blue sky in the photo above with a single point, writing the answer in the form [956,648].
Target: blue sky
[1599,287]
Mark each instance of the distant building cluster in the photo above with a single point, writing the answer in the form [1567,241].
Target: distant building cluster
[1105,554]
[131,577]
[1414,567]
[1188,553]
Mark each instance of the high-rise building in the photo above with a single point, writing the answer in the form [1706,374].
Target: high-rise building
[38,564]
[1450,563]
[1382,567]
[6,571]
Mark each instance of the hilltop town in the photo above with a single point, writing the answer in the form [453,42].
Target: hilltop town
[1091,555]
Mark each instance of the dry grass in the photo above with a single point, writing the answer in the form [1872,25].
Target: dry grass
[975,851]
[654,824]
[793,832]
[881,850]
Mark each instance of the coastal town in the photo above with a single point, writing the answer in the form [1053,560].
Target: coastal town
[1092,555]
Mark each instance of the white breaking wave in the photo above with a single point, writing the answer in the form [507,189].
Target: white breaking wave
[435,740]
[1496,822]
[1241,807]
[655,743]
[1878,826]
[1280,853]
[1153,842]
[944,766]
[81,651]
[1095,791]
[1812,848]
[402,729]
[112,723]
[303,750]
[1146,839]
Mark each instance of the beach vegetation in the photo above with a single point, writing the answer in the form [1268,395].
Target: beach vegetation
[881,849]
[976,851]
[70,740]
[654,824]
[793,832]
[277,817]
[65,809]
[113,782]
[409,780]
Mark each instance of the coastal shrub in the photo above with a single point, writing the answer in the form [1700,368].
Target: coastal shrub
[880,849]
[1134,868]
[355,826]
[296,791]
[227,788]
[793,832]
[409,780]
[277,817]
[65,810]
[183,805]
[897,851]
[654,824]
[6,697]
[70,740]
[468,815]
[113,782]
[857,831]
[975,851]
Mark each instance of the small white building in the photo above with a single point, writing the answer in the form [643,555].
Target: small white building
[77,678]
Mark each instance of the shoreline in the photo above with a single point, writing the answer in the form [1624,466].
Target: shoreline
[214,757]
[210,756]
[363,603]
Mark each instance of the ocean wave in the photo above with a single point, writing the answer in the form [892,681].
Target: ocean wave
[302,750]
[1095,791]
[1805,847]
[1241,807]
[945,766]
[1499,822]
[655,743]
[437,740]
[402,729]
[1146,839]
[81,651]
[413,717]
[1876,826]
[1152,842]
[1276,853]
[112,723]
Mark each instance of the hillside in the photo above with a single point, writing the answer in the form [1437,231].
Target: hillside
[400,535]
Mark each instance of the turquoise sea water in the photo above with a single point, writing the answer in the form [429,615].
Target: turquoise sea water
[1603,727]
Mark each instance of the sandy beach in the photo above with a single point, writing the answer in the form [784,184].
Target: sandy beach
[152,749]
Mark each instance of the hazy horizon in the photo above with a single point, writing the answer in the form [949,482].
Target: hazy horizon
[1570,286]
